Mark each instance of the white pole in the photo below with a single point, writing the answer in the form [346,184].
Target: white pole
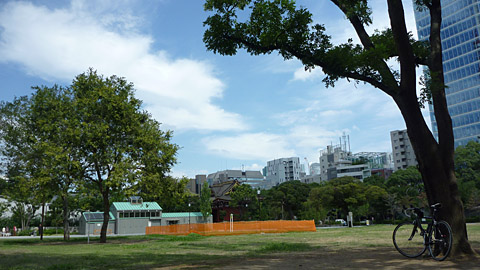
[88,229]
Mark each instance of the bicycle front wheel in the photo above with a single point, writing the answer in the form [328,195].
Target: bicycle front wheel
[440,243]
[408,240]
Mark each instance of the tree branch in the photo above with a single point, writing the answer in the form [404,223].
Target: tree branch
[381,66]
[444,121]
[309,58]
[404,47]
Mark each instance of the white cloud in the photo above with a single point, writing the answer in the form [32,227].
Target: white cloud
[250,167]
[250,146]
[58,44]
[303,75]
[187,173]
[298,140]
[311,136]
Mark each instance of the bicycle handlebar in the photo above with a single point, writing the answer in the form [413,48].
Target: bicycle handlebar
[416,210]
[419,212]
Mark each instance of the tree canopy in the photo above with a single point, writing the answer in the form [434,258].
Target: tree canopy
[91,135]
[467,168]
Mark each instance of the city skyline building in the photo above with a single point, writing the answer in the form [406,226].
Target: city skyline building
[282,170]
[252,178]
[376,160]
[461,65]
[402,150]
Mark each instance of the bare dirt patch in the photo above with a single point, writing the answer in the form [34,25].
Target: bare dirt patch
[365,258]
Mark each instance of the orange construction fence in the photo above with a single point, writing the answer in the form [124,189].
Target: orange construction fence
[231,228]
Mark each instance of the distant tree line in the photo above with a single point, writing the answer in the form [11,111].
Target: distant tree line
[376,198]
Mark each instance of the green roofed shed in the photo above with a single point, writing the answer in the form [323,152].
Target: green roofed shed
[128,206]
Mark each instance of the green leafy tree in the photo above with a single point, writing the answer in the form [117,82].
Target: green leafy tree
[54,217]
[52,112]
[121,145]
[408,187]
[313,208]
[286,201]
[266,26]
[40,132]
[376,201]
[467,169]
[295,194]
[347,194]
[245,198]
[205,202]
[375,180]
[3,208]
[26,162]
[344,193]
[169,192]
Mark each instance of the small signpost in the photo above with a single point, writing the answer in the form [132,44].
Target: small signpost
[350,219]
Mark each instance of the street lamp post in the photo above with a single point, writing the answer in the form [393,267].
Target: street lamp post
[189,204]
[88,225]
[259,205]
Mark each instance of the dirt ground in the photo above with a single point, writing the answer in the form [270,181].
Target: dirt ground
[371,258]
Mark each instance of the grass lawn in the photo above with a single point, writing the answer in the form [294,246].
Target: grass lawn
[157,252]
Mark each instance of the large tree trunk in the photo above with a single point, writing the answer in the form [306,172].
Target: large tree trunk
[66,213]
[106,216]
[435,159]
[437,174]
[42,223]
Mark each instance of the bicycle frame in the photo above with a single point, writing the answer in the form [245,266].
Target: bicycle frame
[426,233]
[436,237]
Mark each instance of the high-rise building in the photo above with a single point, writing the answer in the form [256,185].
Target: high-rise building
[402,150]
[461,64]
[195,185]
[282,170]
[336,161]
[331,158]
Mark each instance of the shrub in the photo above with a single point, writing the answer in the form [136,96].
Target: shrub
[472,219]
[52,231]
[25,232]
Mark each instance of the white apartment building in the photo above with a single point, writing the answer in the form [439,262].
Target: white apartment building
[402,151]
[282,170]
[336,161]
[330,159]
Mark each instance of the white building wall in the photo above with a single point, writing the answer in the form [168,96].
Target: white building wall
[402,150]
[282,170]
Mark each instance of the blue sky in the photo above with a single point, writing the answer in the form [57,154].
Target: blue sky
[225,111]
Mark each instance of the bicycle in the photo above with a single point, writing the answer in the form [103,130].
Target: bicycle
[411,239]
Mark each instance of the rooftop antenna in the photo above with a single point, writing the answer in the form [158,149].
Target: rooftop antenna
[348,137]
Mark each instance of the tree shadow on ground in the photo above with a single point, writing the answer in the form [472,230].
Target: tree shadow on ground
[367,258]
[139,260]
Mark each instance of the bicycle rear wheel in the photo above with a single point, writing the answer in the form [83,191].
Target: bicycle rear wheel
[408,240]
[440,243]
